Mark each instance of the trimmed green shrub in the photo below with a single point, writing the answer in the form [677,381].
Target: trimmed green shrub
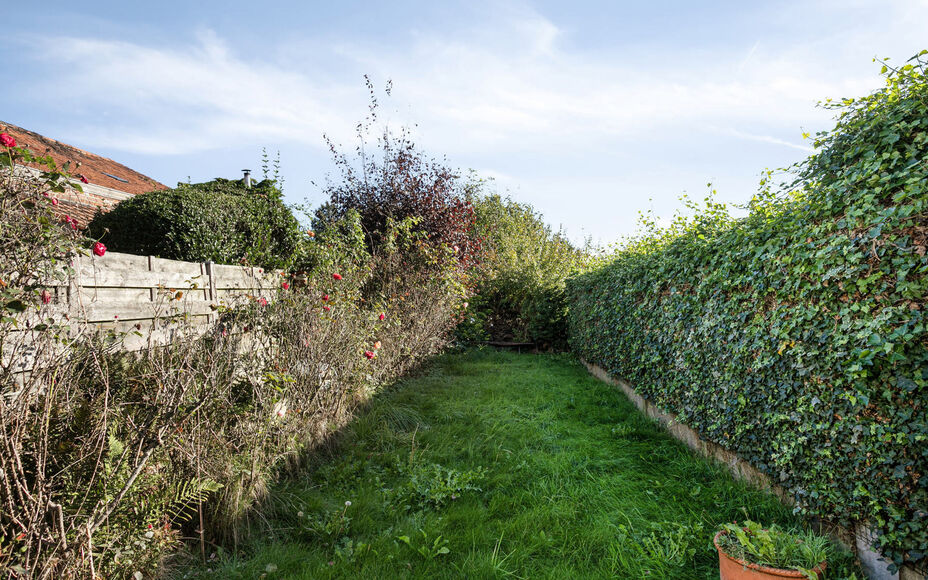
[796,336]
[219,220]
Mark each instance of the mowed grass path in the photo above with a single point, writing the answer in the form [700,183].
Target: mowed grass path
[573,483]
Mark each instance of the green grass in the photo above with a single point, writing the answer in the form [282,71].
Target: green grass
[499,465]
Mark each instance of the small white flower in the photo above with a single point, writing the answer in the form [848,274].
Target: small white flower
[299,514]
[270,568]
[347,503]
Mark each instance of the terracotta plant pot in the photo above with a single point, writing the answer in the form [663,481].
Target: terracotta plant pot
[731,568]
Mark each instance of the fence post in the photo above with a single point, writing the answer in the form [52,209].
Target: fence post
[213,294]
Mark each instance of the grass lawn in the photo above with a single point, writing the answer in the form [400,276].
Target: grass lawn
[500,465]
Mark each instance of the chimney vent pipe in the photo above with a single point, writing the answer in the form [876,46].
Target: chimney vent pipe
[247,179]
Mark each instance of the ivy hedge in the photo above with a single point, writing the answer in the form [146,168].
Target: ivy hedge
[220,220]
[796,336]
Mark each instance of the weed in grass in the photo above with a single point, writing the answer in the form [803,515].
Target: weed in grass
[433,485]
[438,547]
[328,527]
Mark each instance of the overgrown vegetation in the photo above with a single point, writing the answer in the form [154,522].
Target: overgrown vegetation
[220,220]
[499,465]
[389,180]
[519,281]
[796,336]
[111,459]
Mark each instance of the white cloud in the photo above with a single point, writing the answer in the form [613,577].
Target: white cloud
[522,91]
[513,95]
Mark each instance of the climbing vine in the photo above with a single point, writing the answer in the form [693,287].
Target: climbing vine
[796,336]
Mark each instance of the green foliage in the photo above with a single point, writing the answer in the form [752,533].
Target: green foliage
[520,280]
[219,220]
[434,485]
[796,336]
[438,547]
[775,547]
[328,526]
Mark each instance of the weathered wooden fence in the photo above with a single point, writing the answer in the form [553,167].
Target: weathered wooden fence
[141,297]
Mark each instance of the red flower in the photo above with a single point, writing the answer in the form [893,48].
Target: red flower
[369,354]
[285,286]
[337,276]
[326,308]
[325,297]
[54,201]
[382,316]
[99,249]
[7,141]
[46,297]
[262,301]
[71,222]
[83,179]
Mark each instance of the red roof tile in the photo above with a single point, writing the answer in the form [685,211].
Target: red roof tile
[98,170]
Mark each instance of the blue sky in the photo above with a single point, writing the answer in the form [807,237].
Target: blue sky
[591,111]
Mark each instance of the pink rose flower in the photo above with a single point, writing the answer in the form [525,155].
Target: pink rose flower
[262,301]
[46,297]
[337,276]
[99,249]
[382,316]
[7,141]
[285,286]
[54,201]
[369,354]
[326,308]
[71,222]
[325,297]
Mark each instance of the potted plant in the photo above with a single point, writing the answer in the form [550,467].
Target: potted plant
[749,551]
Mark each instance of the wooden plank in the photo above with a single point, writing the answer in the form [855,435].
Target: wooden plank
[109,294]
[194,269]
[124,270]
[110,278]
[113,311]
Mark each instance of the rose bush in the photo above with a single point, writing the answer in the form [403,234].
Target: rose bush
[114,457]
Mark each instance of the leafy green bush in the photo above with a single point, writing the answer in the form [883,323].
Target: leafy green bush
[796,336]
[219,220]
[519,282]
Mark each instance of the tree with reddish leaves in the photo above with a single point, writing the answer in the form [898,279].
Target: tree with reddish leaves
[397,181]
